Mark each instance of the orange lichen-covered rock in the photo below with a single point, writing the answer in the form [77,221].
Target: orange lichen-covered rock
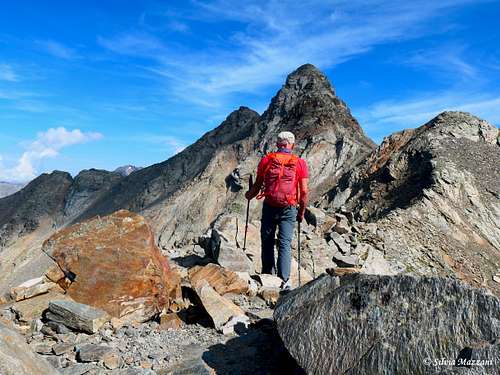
[221,279]
[114,264]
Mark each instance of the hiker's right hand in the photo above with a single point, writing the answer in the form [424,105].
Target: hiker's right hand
[248,195]
[300,217]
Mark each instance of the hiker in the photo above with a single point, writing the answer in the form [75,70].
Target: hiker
[282,179]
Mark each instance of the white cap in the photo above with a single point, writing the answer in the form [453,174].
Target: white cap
[286,138]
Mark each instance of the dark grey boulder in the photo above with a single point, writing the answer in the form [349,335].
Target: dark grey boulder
[369,324]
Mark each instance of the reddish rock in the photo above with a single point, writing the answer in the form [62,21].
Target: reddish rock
[170,321]
[221,279]
[116,266]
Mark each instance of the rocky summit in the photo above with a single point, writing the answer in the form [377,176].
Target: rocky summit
[434,194]
[146,272]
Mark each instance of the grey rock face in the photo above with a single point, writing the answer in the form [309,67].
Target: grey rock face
[366,324]
[16,357]
[41,200]
[87,186]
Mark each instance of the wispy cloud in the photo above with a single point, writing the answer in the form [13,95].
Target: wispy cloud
[133,44]
[385,117]
[169,144]
[57,49]
[47,144]
[274,38]
[7,73]
[450,59]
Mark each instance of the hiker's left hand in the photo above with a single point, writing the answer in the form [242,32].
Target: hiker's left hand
[248,195]
[300,217]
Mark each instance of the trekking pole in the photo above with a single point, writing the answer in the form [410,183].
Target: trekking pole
[250,183]
[298,248]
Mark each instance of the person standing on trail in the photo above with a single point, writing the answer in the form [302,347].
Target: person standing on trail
[282,180]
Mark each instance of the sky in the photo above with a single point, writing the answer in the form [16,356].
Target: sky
[100,84]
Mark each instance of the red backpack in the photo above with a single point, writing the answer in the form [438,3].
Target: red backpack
[280,185]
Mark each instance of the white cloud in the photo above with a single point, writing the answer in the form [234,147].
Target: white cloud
[383,118]
[47,144]
[57,49]
[7,73]
[132,44]
[447,58]
[275,37]
[173,145]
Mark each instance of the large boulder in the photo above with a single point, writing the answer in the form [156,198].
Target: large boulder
[114,264]
[16,357]
[368,324]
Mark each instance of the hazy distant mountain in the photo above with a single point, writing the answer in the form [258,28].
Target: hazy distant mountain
[8,188]
[126,170]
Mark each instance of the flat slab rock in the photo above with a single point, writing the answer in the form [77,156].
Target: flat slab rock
[77,315]
[17,358]
[116,266]
[221,279]
[370,324]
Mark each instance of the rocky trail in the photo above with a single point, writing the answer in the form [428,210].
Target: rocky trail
[143,271]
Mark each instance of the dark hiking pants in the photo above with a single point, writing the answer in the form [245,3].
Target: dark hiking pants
[283,219]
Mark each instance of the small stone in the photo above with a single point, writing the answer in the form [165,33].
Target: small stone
[340,243]
[112,360]
[57,327]
[344,260]
[170,321]
[269,281]
[342,227]
[43,349]
[269,294]
[236,323]
[30,288]
[54,273]
[496,278]
[341,271]
[92,352]
[36,325]
[221,279]
[55,361]
[79,369]
[63,348]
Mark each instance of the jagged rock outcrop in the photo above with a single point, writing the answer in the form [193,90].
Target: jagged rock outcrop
[114,264]
[365,324]
[434,193]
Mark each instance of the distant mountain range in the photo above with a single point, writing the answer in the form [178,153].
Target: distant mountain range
[126,170]
[8,188]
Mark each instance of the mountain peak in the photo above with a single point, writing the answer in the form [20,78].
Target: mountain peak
[308,78]
[459,124]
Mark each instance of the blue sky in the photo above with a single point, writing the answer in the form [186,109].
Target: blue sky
[105,83]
